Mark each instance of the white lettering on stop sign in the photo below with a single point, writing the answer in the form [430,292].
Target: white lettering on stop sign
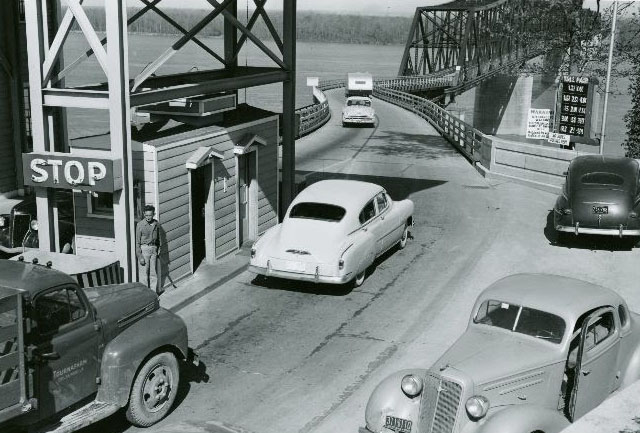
[67,173]
[97,171]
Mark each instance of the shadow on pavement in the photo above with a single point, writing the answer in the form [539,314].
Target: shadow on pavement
[273,283]
[414,146]
[586,242]
[399,188]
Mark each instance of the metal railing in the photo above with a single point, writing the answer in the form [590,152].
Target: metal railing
[312,117]
[461,135]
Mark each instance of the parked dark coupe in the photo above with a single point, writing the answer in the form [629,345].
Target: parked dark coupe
[19,224]
[601,195]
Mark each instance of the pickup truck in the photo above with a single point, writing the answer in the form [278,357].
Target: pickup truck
[70,356]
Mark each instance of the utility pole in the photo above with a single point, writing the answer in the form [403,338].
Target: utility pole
[606,90]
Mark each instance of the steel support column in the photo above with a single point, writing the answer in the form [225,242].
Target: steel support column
[289,105]
[120,125]
[37,46]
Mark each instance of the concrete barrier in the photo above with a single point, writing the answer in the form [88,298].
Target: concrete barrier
[618,414]
[539,166]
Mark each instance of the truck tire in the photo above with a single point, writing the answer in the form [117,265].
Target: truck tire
[154,390]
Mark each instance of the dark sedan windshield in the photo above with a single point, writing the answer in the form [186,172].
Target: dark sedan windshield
[523,320]
[317,211]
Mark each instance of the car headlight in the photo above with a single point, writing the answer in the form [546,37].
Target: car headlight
[411,385]
[2,221]
[477,406]
[34,225]
[253,252]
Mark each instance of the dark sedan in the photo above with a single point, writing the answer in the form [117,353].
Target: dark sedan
[600,196]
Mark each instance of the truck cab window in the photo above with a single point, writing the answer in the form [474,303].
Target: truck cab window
[58,308]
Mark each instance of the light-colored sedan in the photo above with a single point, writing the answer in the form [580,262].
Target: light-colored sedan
[358,110]
[332,232]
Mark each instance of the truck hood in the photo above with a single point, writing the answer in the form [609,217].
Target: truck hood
[119,306]
[488,355]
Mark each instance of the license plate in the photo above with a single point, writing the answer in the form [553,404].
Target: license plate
[600,210]
[295,266]
[398,425]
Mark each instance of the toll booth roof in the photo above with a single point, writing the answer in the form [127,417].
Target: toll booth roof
[68,263]
[158,134]
[173,130]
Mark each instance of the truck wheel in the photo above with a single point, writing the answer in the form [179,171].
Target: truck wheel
[154,390]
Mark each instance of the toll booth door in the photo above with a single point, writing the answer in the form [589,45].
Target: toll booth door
[246,196]
[12,369]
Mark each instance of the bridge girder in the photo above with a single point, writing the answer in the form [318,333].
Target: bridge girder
[476,37]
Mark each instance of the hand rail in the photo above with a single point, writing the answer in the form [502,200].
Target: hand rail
[461,135]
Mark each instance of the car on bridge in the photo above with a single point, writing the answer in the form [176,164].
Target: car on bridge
[601,195]
[332,233]
[358,111]
[539,352]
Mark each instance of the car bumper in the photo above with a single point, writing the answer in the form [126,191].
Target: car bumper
[620,231]
[299,276]
[9,250]
[358,120]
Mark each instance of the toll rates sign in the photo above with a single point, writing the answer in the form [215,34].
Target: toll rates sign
[575,106]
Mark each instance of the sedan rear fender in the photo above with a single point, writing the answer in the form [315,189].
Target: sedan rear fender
[523,418]
[359,250]
[388,399]
[403,210]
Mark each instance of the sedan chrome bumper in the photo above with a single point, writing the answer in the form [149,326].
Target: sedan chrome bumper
[299,276]
[577,229]
[358,119]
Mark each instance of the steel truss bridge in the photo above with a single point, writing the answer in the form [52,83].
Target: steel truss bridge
[468,41]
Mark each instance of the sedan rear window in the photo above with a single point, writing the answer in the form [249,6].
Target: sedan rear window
[601,178]
[523,320]
[317,211]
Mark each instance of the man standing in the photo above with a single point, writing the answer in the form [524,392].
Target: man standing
[148,248]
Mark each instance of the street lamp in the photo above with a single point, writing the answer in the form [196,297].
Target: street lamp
[606,90]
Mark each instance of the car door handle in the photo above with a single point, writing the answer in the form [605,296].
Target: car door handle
[382,218]
[586,372]
[48,356]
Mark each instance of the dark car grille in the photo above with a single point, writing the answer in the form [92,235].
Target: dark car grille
[440,402]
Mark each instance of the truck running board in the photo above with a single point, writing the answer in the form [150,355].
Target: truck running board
[82,417]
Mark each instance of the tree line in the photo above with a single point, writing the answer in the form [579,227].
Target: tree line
[311,27]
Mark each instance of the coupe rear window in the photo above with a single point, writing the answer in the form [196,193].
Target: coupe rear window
[523,320]
[317,211]
[600,178]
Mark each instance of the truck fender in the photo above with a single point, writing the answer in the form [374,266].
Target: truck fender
[159,331]
[388,399]
[523,418]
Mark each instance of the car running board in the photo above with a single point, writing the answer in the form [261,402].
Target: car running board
[82,417]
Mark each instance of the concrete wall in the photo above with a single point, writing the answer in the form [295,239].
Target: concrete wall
[539,166]
[500,105]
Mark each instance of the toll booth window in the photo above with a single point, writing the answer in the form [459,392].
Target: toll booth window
[58,308]
[100,205]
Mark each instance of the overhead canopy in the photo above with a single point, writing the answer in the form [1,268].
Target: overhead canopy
[202,156]
[248,144]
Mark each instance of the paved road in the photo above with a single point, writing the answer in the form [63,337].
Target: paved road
[288,357]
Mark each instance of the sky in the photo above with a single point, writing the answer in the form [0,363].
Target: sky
[360,7]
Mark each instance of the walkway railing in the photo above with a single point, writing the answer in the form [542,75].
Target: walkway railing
[313,116]
[461,135]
